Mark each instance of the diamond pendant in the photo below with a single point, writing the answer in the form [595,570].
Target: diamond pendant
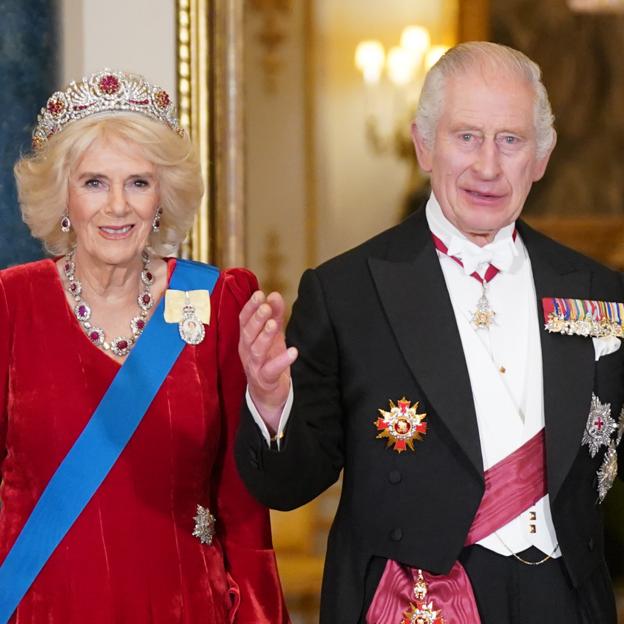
[191,328]
[483,316]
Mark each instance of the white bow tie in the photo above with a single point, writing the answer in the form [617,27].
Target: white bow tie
[501,254]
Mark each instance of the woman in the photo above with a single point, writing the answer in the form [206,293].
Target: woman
[165,532]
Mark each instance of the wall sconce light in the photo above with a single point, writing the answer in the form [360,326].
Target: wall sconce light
[369,59]
[404,66]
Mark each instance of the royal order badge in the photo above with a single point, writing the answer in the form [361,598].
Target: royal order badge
[600,426]
[420,611]
[483,316]
[608,472]
[190,327]
[401,425]
[191,311]
[620,427]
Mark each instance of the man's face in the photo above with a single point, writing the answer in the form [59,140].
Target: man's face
[483,160]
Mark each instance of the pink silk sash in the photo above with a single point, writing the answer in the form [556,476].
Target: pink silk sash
[511,486]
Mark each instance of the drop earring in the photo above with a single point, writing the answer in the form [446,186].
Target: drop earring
[65,224]
[156,221]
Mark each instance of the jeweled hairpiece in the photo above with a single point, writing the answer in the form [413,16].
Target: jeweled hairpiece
[105,91]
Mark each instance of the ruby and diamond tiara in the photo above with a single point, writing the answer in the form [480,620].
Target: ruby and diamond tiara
[105,91]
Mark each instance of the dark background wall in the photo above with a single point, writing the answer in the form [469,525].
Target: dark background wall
[581,59]
[29,70]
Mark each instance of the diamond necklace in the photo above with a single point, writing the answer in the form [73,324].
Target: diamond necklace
[120,345]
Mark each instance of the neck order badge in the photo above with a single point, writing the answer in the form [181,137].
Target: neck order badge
[483,316]
[96,450]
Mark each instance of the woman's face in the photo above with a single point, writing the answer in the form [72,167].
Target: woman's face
[112,200]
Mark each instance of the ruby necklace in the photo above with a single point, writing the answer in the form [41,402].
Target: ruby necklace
[120,345]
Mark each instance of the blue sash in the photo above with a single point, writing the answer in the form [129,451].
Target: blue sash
[97,448]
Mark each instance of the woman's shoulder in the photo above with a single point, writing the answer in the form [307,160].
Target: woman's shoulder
[239,283]
[235,286]
[24,275]
[239,280]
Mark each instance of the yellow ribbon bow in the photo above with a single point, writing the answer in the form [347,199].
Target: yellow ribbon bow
[175,300]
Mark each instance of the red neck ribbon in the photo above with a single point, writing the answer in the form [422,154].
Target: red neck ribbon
[491,271]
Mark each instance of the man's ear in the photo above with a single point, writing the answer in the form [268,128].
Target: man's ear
[540,165]
[423,151]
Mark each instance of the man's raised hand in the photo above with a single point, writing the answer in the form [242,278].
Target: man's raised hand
[265,357]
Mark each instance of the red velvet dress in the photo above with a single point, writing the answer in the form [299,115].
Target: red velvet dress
[131,556]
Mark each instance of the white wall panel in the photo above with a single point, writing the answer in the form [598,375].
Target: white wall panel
[133,35]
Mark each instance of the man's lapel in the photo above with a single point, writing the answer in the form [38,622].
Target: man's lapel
[568,361]
[413,293]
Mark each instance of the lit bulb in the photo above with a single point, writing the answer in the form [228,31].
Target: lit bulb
[416,41]
[369,59]
[434,54]
[400,66]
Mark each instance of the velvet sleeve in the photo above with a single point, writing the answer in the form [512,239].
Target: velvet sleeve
[243,523]
[5,342]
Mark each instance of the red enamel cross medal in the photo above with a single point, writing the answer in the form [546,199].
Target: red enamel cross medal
[421,611]
[401,425]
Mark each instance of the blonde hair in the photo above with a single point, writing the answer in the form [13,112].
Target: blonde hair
[475,54]
[42,177]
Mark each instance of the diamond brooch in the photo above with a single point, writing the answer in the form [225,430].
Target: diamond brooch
[205,523]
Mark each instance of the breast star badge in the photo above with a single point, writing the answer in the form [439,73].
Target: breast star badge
[608,472]
[620,427]
[401,425]
[600,426]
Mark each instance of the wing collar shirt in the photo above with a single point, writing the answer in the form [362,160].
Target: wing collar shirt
[504,361]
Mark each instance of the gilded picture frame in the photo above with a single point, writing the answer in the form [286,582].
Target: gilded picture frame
[210,102]
[209,89]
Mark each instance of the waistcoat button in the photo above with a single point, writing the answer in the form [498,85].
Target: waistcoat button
[394,477]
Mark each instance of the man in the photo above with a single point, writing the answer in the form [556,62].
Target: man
[474,495]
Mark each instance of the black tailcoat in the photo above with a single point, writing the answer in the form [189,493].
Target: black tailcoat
[376,324]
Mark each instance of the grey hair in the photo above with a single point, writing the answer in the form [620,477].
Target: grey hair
[466,56]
